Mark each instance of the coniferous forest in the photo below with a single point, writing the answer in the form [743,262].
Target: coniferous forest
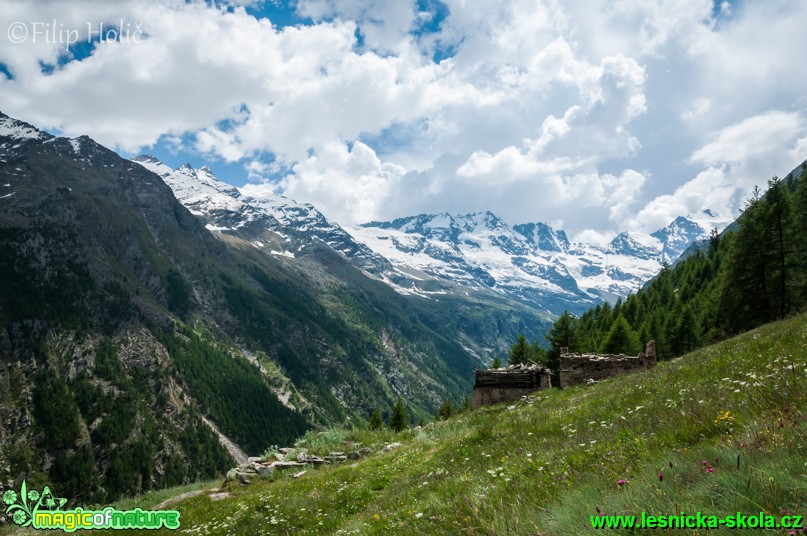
[752,273]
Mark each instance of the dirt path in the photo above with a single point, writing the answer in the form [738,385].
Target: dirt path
[178,498]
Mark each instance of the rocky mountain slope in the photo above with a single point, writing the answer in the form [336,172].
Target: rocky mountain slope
[298,235]
[475,257]
[127,325]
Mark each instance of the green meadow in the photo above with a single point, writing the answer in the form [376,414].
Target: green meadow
[720,430]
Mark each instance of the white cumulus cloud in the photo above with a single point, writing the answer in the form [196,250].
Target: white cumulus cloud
[606,115]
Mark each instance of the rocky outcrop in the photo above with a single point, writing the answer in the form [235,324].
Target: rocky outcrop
[281,460]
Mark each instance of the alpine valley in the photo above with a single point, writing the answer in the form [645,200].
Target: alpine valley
[436,256]
[159,324]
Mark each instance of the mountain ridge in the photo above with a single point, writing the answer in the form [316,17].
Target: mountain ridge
[531,255]
[440,254]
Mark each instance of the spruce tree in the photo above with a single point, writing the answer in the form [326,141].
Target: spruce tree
[539,354]
[744,296]
[777,226]
[521,352]
[399,420]
[446,410]
[620,338]
[497,363]
[799,233]
[685,336]
[376,421]
[562,334]
[466,404]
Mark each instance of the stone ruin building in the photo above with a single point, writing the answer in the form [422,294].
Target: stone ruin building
[588,368]
[512,382]
[508,383]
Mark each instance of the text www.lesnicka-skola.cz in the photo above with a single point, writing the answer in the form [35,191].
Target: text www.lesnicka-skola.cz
[696,521]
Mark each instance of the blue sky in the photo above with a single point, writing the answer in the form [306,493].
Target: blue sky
[596,116]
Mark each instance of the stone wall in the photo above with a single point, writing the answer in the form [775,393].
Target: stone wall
[506,384]
[582,368]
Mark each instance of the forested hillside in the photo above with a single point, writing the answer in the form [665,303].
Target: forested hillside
[753,273]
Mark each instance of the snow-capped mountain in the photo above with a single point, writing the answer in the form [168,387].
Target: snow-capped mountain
[438,254]
[228,208]
[531,262]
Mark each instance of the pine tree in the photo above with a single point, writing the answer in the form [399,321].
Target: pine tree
[376,421]
[497,363]
[399,420]
[521,352]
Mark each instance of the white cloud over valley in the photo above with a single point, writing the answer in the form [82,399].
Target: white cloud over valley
[607,116]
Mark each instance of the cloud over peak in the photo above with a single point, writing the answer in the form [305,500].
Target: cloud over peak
[635,111]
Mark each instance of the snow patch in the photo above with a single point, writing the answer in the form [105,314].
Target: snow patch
[16,129]
[75,143]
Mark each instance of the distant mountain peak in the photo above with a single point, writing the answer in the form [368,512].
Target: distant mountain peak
[531,262]
[16,129]
[148,158]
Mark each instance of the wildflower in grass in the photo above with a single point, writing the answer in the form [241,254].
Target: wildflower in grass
[725,416]
[621,482]
[710,469]
[661,477]
[704,462]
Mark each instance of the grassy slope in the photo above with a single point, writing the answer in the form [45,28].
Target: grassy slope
[543,466]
